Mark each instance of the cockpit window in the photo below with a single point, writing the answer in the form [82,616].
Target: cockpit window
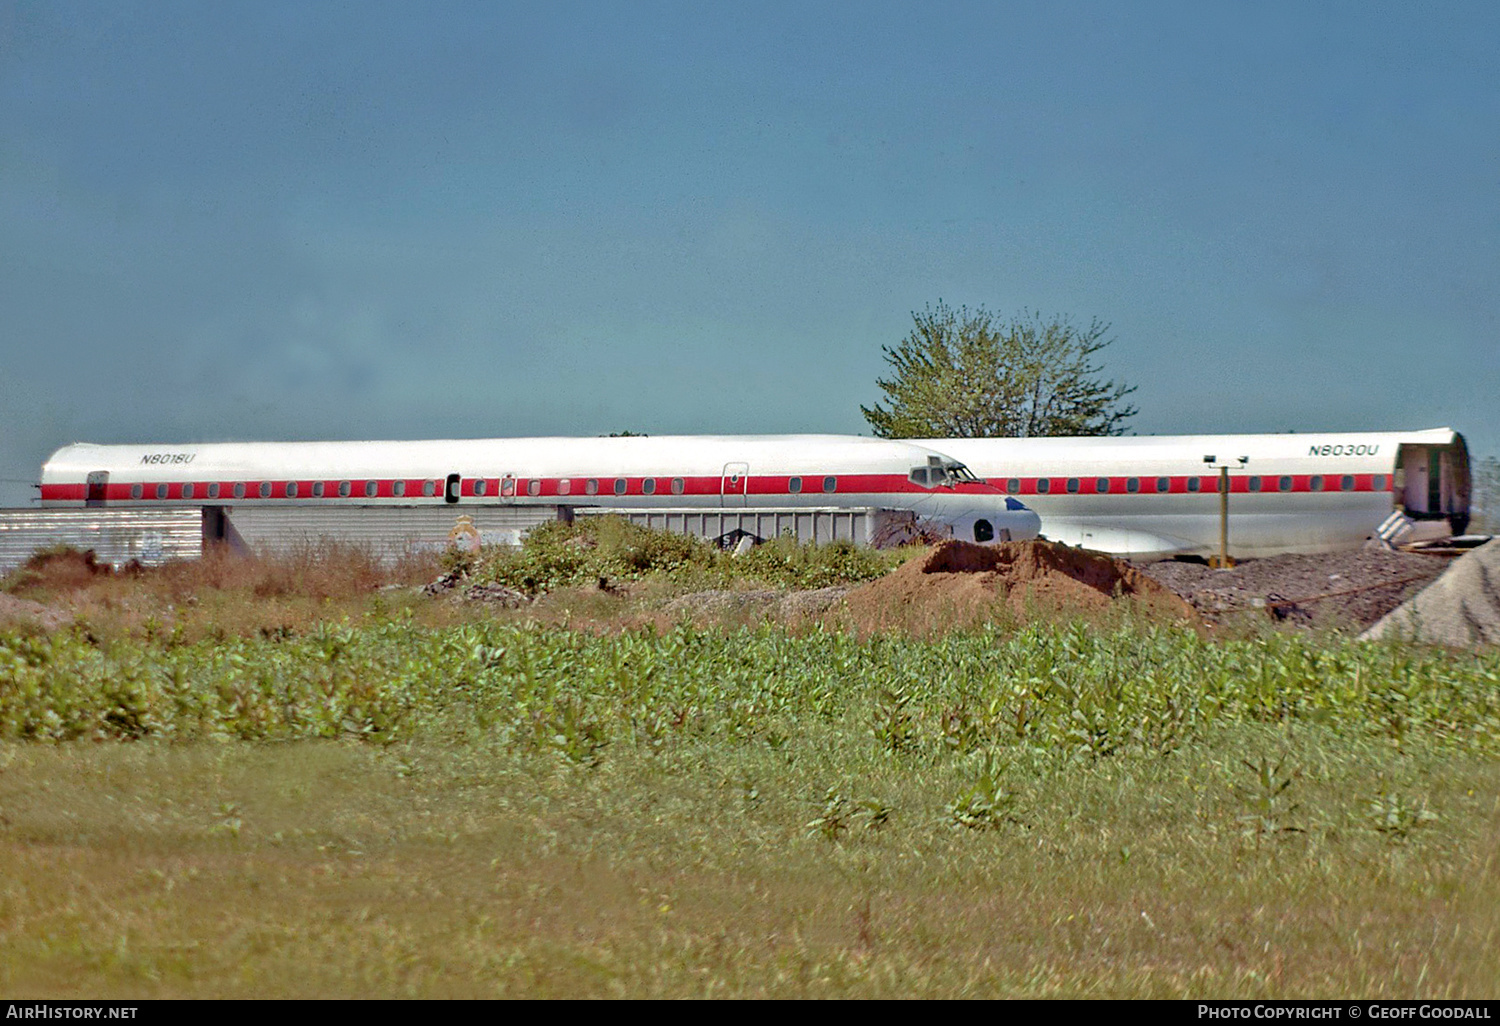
[941,475]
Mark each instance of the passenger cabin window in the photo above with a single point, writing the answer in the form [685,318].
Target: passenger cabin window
[1163,484]
[1378,482]
[619,486]
[1346,483]
[371,489]
[564,486]
[1255,484]
[161,491]
[591,486]
[534,487]
[291,489]
[1102,486]
[1133,484]
[1043,485]
[239,490]
[265,489]
[399,488]
[1284,483]
[345,488]
[1316,483]
[1194,484]
[794,485]
[648,486]
[830,484]
[1013,485]
[984,531]
[678,486]
[213,490]
[135,491]
[481,486]
[1073,485]
[187,491]
[429,488]
[317,489]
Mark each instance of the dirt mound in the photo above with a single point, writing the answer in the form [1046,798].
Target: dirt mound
[959,584]
[791,607]
[14,610]
[721,602]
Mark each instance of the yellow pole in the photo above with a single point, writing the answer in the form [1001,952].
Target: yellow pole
[1223,517]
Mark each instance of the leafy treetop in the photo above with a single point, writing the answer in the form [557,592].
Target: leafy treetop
[963,374]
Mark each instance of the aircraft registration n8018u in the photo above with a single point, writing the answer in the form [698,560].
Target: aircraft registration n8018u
[637,472]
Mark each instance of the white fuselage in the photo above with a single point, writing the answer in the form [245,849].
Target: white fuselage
[663,472]
[1153,496]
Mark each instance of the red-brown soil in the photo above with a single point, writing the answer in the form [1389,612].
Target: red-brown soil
[957,584]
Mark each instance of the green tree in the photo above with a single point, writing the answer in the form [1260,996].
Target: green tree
[963,374]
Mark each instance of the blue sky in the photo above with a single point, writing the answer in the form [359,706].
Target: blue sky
[318,220]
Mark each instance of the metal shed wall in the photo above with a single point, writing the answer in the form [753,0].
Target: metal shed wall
[819,525]
[387,530]
[117,536]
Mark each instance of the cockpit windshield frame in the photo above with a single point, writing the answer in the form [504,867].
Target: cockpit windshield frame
[934,474]
[961,474]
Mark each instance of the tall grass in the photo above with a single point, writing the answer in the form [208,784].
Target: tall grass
[507,810]
[1056,688]
[222,594]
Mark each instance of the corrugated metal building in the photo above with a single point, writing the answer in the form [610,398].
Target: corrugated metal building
[117,536]
[389,531]
[153,537]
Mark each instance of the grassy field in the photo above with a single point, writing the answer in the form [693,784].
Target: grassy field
[367,793]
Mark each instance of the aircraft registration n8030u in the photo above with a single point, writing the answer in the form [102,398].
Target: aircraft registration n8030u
[1158,495]
[635,472]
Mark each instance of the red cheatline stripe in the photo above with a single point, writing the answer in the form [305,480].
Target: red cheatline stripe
[604,488]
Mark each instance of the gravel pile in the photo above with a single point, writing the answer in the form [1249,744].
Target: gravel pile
[1461,608]
[1336,589]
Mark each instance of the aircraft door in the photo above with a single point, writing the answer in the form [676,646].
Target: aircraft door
[98,486]
[734,484]
[452,488]
[1414,466]
[1436,493]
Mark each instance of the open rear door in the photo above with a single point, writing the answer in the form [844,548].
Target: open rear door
[97,488]
[1432,482]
